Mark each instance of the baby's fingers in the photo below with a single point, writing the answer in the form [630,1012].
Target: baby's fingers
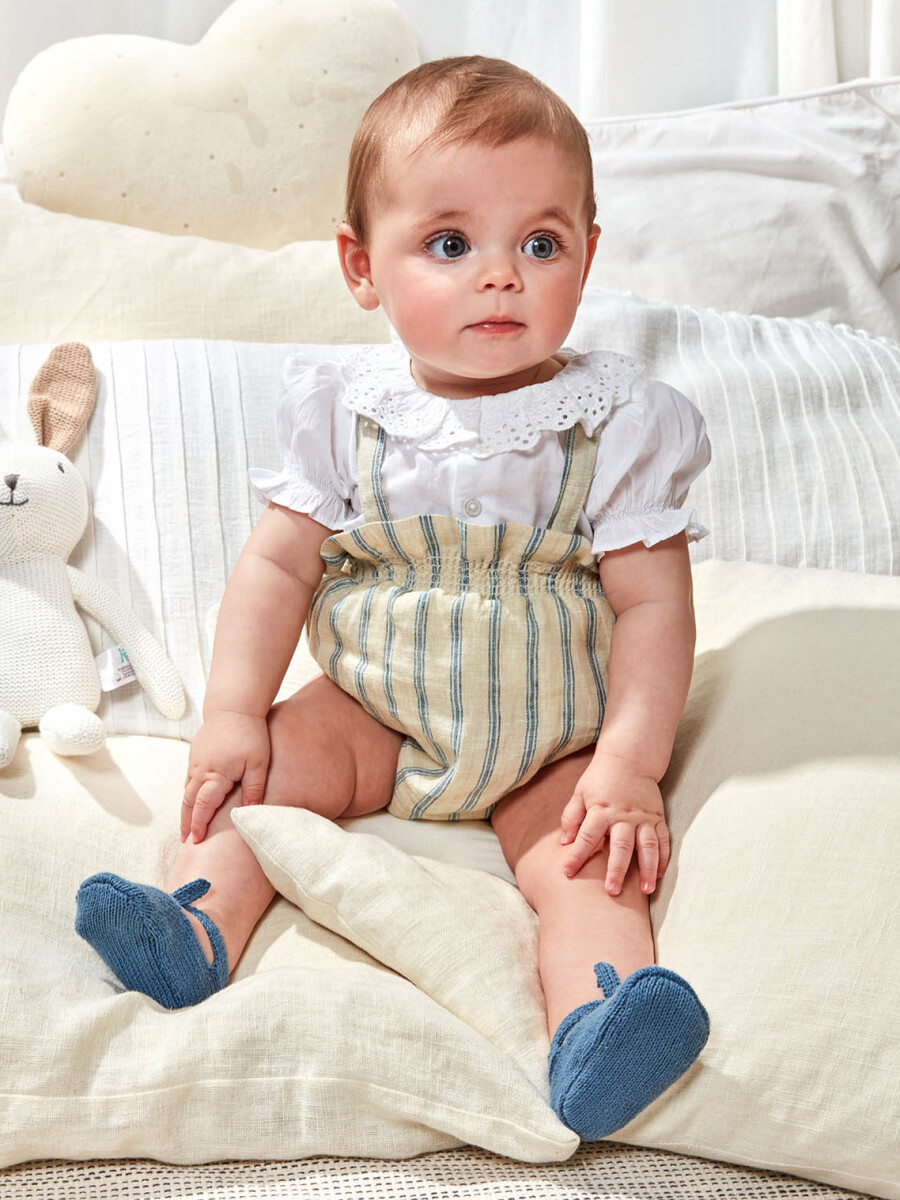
[647,848]
[253,785]
[191,788]
[209,798]
[572,816]
[665,848]
[621,849]
[587,842]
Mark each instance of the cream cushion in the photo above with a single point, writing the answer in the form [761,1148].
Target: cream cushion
[369,1020]
[243,137]
[65,278]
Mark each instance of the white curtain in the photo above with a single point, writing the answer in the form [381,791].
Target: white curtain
[618,57]
[606,57]
[826,41]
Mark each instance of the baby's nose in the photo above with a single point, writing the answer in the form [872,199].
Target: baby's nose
[500,271]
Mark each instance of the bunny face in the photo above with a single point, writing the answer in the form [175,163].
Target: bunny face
[43,503]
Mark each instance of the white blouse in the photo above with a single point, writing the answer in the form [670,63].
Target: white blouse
[492,458]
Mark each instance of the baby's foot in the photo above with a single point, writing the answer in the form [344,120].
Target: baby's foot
[610,1058]
[144,935]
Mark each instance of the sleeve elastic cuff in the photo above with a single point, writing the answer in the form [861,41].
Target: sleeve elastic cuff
[650,526]
[301,494]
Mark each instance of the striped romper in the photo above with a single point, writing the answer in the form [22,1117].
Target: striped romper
[486,645]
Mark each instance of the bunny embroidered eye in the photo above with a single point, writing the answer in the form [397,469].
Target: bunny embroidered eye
[62,468]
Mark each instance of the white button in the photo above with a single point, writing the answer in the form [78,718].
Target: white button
[472,507]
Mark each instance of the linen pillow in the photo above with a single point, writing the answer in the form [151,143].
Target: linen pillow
[784,206]
[66,278]
[313,1048]
[243,137]
[783,799]
[804,422]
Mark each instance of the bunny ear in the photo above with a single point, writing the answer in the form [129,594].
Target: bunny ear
[62,396]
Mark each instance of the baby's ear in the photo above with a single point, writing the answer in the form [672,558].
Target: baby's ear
[355,266]
[62,396]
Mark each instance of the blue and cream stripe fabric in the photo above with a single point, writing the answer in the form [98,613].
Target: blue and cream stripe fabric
[486,645]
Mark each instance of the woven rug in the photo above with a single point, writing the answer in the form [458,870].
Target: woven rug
[605,1172]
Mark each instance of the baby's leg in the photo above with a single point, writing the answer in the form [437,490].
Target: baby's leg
[612,1052]
[328,755]
[580,923]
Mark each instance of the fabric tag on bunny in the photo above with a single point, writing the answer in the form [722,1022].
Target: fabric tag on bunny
[114,668]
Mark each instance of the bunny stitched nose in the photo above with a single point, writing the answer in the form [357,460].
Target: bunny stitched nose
[12,502]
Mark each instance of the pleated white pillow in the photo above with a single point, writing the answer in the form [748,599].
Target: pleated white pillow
[804,422]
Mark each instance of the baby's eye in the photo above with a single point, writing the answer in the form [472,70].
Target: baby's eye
[542,245]
[447,245]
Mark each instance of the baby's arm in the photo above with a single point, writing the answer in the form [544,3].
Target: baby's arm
[650,663]
[260,621]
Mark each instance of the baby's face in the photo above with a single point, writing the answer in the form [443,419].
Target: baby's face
[478,256]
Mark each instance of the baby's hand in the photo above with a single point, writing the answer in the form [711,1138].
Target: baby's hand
[229,748]
[613,800]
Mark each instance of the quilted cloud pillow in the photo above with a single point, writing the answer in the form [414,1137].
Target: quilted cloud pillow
[242,137]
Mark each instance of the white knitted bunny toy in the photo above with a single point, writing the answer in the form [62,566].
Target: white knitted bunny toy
[48,676]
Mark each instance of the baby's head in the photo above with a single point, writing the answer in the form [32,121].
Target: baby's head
[450,102]
[470,198]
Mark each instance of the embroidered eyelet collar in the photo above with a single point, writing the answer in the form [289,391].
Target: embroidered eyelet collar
[379,384]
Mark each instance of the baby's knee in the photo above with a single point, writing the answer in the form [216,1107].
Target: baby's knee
[306,766]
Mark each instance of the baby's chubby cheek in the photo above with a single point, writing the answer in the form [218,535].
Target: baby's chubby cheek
[426,326]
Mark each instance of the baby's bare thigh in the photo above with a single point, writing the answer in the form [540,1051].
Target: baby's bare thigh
[329,754]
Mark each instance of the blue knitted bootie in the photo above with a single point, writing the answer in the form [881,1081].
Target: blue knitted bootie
[610,1058]
[142,934]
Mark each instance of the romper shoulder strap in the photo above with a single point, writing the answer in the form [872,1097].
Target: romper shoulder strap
[578,471]
[369,455]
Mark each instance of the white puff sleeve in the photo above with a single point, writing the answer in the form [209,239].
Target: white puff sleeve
[651,448]
[314,436]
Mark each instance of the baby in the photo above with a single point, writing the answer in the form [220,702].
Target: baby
[482,532]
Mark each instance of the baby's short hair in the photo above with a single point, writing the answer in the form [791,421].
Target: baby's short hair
[452,100]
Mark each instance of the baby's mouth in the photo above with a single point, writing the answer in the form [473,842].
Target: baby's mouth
[498,325]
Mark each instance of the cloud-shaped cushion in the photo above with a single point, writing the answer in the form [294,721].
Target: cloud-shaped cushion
[242,137]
